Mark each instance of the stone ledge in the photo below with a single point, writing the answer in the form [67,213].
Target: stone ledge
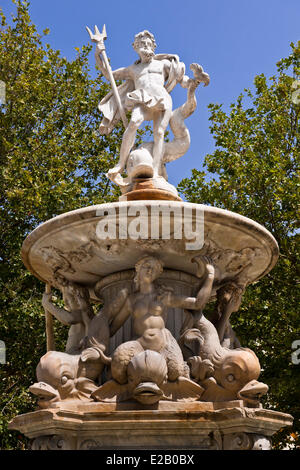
[187,425]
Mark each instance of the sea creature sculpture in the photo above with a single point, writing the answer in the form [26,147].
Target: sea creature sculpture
[225,374]
[61,378]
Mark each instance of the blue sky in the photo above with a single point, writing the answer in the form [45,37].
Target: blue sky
[233,40]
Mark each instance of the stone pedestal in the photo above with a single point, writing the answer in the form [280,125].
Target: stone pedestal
[203,426]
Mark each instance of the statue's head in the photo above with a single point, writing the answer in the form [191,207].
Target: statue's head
[147,270]
[144,44]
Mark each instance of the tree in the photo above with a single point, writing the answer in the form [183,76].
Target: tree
[52,160]
[255,172]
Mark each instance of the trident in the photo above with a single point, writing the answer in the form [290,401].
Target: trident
[99,38]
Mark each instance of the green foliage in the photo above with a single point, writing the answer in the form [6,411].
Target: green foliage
[255,171]
[52,160]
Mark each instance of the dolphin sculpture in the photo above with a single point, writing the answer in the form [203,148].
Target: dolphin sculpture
[225,374]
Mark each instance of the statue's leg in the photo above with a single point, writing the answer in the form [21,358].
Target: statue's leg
[137,118]
[160,124]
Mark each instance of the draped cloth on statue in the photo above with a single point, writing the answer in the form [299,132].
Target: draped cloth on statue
[131,97]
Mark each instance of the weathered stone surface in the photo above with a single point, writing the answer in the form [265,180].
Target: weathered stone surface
[148,370]
[145,93]
[68,245]
[161,296]
[150,366]
[161,426]
[110,286]
[246,441]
